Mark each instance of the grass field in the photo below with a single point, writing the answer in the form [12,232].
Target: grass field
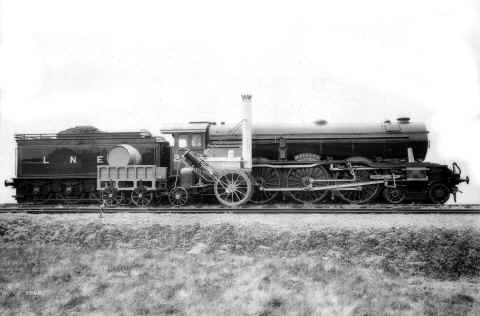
[140,264]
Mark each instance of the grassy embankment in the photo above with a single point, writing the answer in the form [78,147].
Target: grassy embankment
[99,267]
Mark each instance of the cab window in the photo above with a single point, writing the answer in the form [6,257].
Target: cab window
[183,141]
[196,140]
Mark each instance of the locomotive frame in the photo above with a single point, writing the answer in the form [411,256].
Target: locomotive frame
[349,181]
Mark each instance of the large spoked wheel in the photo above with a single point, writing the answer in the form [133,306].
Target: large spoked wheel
[438,193]
[141,196]
[112,197]
[394,195]
[233,188]
[178,196]
[264,178]
[360,194]
[303,178]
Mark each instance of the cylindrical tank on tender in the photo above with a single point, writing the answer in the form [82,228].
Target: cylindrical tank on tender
[124,154]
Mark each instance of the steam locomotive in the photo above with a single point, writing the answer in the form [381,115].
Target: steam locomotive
[321,162]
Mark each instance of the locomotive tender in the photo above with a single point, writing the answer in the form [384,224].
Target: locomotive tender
[323,162]
[63,167]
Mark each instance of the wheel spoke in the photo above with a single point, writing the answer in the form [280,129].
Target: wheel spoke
[234,193]
[237,180]
[240,193]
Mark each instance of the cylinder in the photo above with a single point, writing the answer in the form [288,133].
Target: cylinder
[247,131]
[123,155]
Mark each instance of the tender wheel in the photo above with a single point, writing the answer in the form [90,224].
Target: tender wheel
[72,189]
[178,196]
[302,178]
[233,188]
[394,195]
[36,197]
[59,197]
[438,193]
[111,196]
[362,194]
[141,197]
[264,178]
[90,193]
[121,198]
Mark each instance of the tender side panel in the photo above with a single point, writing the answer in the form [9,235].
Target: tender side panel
[73,158]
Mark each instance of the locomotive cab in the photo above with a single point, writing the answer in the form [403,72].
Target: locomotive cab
[211,170]
[192,136]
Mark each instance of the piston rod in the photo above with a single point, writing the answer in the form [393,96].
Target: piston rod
[323,188]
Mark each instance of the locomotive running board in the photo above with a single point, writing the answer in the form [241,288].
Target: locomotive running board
[327,187]
[310,165]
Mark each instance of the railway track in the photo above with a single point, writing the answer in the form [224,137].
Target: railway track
[254,209]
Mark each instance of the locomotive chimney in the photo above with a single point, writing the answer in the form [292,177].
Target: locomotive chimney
[247,131]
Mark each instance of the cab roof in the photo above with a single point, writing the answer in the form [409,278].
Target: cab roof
[201,127]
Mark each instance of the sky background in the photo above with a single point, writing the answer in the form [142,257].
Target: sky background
[127,65]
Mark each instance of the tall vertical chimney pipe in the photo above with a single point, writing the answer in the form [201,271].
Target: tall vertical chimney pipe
[410,156]
[247,131]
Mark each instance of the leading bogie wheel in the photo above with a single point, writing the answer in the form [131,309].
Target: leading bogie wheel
[141,196]
[233,188]
[178,196]
[264,178]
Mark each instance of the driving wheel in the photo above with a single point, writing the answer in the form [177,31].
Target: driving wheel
[304,178]
[264,178]
[359,194]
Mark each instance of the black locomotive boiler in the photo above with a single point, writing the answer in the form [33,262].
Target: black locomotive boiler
[316,163]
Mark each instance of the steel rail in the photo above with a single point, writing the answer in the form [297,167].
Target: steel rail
[252,209]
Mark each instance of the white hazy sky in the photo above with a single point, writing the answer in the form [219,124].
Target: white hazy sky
[127,65]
